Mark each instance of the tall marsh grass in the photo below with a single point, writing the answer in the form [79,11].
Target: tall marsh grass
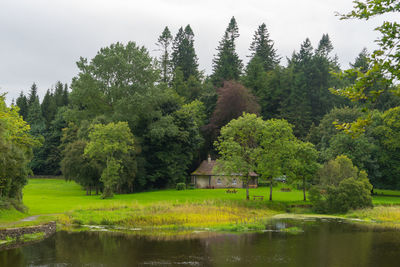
[207,214]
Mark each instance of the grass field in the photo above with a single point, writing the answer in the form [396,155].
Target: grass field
[67,203]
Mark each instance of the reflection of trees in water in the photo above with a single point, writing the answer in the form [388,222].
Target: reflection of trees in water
[321,244]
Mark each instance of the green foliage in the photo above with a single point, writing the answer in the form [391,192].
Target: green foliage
[384,65]
[111,81]
[180,186]
[263,48]
[16,145]
[334,171]
[183,53]
[341,187]
[164,41]
[107,145]
[350,194]
[239,146]
[226,64]
[305,166]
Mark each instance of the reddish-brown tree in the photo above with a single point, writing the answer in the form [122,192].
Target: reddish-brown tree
[233,100]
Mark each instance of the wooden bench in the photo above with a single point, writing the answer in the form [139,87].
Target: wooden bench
[285,189]
[231,191]
[258,197]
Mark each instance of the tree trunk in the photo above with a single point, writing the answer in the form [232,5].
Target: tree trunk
[87,190]
[97,190]
[304,189]
[270,189]
[247,192]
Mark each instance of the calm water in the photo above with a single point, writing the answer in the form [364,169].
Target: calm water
[319,243]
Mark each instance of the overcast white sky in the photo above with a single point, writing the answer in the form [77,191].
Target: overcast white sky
[40,40]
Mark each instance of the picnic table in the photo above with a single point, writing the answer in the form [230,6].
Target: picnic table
[258,197]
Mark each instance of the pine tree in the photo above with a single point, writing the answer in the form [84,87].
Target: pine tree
[325,46]
[263,48]
[226,64]
[362,61]
[183,53]
[35,119]
[65,95]
[22,103]
[33,94]
[59,94]
[49,107]
[164,42]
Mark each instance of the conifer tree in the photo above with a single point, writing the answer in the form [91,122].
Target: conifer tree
[164,42]
[49,107]
[65,95]
[35,119]
[33,94]
[183,53]
[22,103]
[263,48]
[226,64]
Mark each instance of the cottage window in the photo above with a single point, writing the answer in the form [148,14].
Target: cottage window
[234,181]
[219,181]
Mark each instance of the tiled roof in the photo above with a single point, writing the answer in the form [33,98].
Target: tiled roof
[207,168]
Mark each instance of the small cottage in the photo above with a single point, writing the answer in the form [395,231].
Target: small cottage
[206,176]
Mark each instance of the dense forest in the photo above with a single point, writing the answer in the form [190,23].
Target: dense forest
[129,122]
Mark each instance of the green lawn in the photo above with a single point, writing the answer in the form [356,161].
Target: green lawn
[48,196]
[67,203]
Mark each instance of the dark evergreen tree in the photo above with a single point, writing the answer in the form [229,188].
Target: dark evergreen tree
[49,108]
[226,64]
[65,95]
[262,47]
[164,42]
[183,53]
[22,103]
[33,95]
[35,119]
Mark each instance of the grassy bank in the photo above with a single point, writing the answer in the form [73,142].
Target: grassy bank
[66,202]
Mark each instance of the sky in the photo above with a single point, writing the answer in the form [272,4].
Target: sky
[41,40]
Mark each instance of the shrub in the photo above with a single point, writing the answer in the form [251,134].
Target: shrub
[318,199]
[180,186]
[350,194]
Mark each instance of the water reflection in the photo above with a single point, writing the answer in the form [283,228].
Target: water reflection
[323,243]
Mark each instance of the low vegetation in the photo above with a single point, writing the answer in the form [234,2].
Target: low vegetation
[66,202]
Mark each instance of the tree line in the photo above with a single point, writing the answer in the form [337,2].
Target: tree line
[167,114]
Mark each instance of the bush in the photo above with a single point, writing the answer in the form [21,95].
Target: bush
[180,186]
[350,194]
[318,199]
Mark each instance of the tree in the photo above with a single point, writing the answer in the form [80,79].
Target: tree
[115,76]
[233,100]
[49,108]
[16,145]
[262,47]
[22,103]
[384,61]
[226,64]
[183,53]
[239,147]
[164,41]
[277,151]
[305,164]
[108,143]
[335,171]
[33,96]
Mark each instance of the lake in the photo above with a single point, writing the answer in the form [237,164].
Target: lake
[318,242]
